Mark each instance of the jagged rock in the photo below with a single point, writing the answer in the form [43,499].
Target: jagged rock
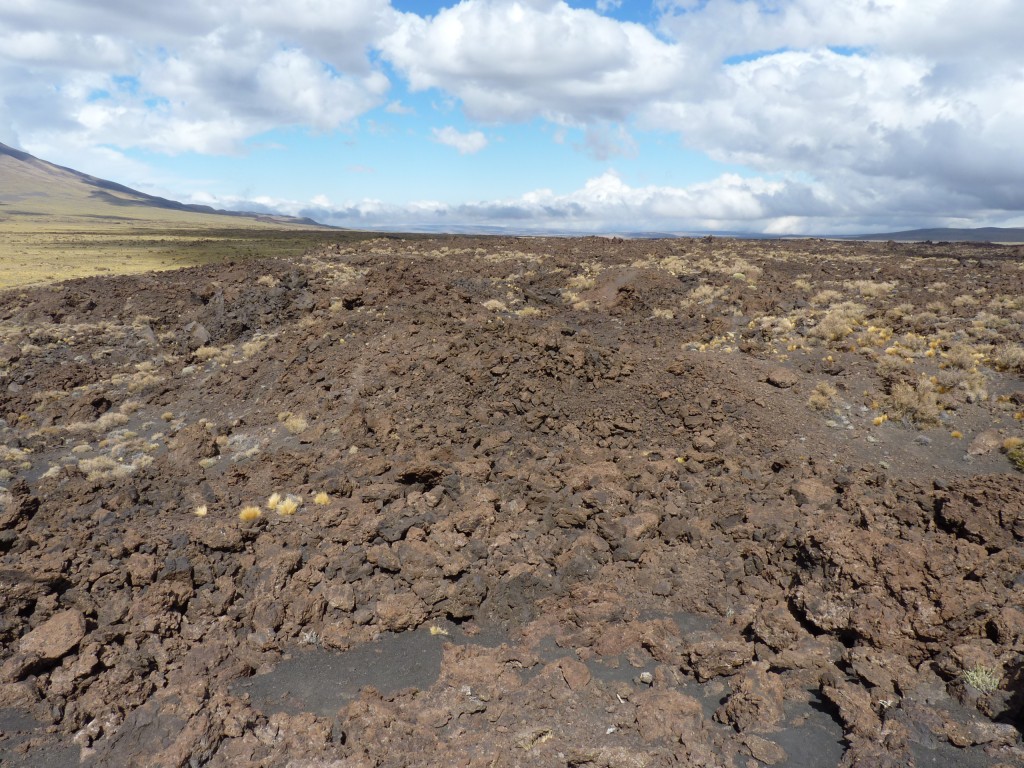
[55,637]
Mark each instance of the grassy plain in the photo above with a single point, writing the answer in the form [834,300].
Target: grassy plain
[32,255]
[57,223]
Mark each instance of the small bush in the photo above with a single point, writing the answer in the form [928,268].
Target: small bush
[1008,357]
[918,403]
[839,322]
[1013,447]
[982,678]
[824,397]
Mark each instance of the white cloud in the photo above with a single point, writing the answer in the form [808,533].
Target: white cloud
[466,143]
[607,204]
[398,108]
[513,60]
[188,76]
[604,203]
[880,108]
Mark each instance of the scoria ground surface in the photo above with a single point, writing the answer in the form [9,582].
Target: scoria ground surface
[544,502]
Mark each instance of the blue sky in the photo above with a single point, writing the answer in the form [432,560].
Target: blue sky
[793,116]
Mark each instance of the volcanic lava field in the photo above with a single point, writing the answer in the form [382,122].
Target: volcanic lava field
[498,502]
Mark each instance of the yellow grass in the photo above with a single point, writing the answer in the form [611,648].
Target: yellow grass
[249,513]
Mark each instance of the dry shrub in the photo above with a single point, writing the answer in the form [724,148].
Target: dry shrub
[825,298]
[918,402]
[824,397]
[965,300]
[961,356]
[705,294]
[899,312]
[1008,357]
[208,353]
[104,423]
[581,283]
[913,342]
[975,387]
[106,468]
[773,327]
[870,288]
[892,370]
[249,513]
[840,321]
[1013,447]
[924,323]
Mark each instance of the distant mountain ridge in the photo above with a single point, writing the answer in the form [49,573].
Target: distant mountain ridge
[951,235]
[31,187]
[24,177]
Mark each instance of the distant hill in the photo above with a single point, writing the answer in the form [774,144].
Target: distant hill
[32,190]
[978,235]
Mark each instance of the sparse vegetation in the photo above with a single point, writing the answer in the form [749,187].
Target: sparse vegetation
[824,397]
[295,423]
[918,402]
[449,455]
[982,678]
[249,513]
[1014,449]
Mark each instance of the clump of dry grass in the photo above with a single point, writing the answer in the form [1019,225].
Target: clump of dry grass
[706,293]
[1008,356]
[873,289]
[107,468]
[961,356]
[294,422]
[289,505]
[824,397]
[249,513]
[839,322]
[104,423]
[825,298]
[918,403]
[892,369]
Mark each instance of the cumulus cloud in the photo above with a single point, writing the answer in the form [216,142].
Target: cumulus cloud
[604,203]
[516,59]
[849,111]
[188,76]
[466,143]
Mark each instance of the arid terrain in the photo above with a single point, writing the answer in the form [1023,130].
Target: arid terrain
[500,502]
